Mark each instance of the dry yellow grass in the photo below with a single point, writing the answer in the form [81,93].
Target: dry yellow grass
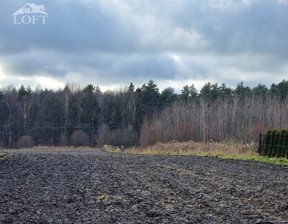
[175,148]
[196,148]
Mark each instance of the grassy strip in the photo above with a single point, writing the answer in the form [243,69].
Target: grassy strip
[226,150]
[282,161]
[2,155]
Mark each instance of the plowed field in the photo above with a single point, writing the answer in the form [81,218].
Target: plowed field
[94,186]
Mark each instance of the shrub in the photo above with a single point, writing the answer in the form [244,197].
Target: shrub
[116,137]
[25,142]
[79,138]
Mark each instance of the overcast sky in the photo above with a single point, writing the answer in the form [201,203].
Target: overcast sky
[111,43]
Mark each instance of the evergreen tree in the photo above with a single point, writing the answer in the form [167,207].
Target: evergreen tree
[225,92]
[282,89]
[97,90]
[90,112]
[140,111]
[1,95]
[113,116]
[242,91]
[273,90]
[150,98]
[21,93]
[167,97]
[71,107]
[260,91]
[185,93]
[51,119]
[210,92]
[131,88]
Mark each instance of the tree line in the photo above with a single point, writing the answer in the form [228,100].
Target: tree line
[87,116]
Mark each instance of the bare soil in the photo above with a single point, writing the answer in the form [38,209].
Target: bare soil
[94,186]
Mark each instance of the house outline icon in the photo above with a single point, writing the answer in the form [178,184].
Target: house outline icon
[31,8]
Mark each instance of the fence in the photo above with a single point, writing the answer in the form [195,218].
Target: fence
[273,144]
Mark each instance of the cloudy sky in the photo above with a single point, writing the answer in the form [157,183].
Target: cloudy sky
[111,43]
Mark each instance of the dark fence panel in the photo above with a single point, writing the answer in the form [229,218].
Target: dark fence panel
[273,144]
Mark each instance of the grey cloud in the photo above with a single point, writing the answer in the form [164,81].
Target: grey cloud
[129,67]
[111,67]
[72,26]
[115,41]
[260,26]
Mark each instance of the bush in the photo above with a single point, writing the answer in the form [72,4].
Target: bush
[118,137]
[25,142]
[79,138]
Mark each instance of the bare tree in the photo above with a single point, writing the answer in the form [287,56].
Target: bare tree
[10,100]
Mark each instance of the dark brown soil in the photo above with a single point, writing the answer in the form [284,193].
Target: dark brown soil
[99,187]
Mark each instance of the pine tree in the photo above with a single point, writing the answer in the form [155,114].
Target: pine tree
[210,92]
[260,91]
[90,112]
[131,88]
[185,93]
[51,119]
[167,97]
[242,91]
[150,98]
[113,116]
[282,89]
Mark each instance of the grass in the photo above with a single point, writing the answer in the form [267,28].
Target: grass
[2,155]
[195,148]
[282,161]
[110,148]
[226,150]
[50,220]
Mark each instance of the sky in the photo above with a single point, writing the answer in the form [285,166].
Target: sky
[111,43]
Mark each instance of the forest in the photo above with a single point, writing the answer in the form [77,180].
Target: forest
[76,116]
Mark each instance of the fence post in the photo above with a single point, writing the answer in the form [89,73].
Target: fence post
[260,144]
[272,147]
[286,145]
